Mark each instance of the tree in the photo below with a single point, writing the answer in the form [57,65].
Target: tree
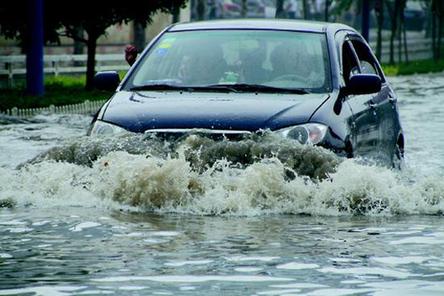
[95,19]
[305,9]
[14,24]
[326,8]
[201,8]
[437,8]
[280,13]
[394,16]
[379,10]
[341,6]
[396,12]
[24,20]
[64,19]
[243,8]
[139,39]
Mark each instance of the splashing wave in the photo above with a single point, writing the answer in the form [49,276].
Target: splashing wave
[199,175]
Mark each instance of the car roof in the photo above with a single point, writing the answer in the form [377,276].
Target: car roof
[261,24]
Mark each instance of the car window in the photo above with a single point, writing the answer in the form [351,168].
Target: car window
[206,57]
[368,63]
[350,63]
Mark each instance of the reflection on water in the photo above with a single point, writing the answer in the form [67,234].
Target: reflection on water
[138,216]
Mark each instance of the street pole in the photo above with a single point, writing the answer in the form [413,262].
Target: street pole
[34,52]
[365,27]
[327,5]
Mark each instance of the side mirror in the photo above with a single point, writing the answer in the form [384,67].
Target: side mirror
[106,80]
[361,84]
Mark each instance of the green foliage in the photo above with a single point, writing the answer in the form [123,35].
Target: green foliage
[67,18]
[62,90]
[343,5]
[13,22]
[414,67]
[94,17]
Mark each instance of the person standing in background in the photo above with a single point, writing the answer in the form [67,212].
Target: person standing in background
[130,54]
[292,8]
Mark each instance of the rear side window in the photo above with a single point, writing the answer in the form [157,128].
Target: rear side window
[350,62]
[368,64]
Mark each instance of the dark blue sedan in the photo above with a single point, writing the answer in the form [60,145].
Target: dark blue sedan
[316,83]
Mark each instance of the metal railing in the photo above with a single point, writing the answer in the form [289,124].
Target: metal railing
[87,107]
[418,48]
[15,65]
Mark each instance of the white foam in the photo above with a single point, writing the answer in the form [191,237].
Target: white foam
[299,285]
[420,240]
[187,288]
[13,222]
[20,229]
[132,288]
[44,290]
[401,260]
[245,258]
[171,185]
[194,279]
[84,225]
[165,233]
[40,223]
[368,271]
[279,292]
[191,262]
[407,287]
[297,265]
[345,260]
[95,292]
[247,269]
[339,292]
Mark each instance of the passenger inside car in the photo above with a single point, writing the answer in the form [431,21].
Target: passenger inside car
[252,64]
[291,61]
[204,67]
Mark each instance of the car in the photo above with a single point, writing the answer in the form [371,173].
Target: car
[415,16]
[230,9]
[313,82]
[255,8]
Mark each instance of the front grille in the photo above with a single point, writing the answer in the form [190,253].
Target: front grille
[217,135]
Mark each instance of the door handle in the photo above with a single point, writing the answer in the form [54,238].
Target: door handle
[373,107]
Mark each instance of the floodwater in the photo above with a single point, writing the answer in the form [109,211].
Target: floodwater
[138,216]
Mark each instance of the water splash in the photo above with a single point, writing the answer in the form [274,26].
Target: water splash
[202,176]
[202,152]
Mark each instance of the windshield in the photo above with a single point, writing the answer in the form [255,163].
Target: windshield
[274,59]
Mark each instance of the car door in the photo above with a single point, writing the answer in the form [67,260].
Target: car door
[364,126]
[382,104]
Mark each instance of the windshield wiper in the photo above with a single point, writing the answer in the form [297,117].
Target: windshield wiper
[166,86]
[229,87]
[259,88]
[161,86]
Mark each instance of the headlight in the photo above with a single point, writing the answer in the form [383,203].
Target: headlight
[310,133]
[101,128]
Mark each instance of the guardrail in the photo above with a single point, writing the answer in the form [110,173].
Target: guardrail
[87,107]
[15,65]
[418,49]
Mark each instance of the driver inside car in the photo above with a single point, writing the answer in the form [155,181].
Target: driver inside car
[202,67]
[291,62]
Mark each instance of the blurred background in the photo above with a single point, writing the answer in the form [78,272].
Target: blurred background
[79,40]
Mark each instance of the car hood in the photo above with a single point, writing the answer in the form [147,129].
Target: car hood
[141,111]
